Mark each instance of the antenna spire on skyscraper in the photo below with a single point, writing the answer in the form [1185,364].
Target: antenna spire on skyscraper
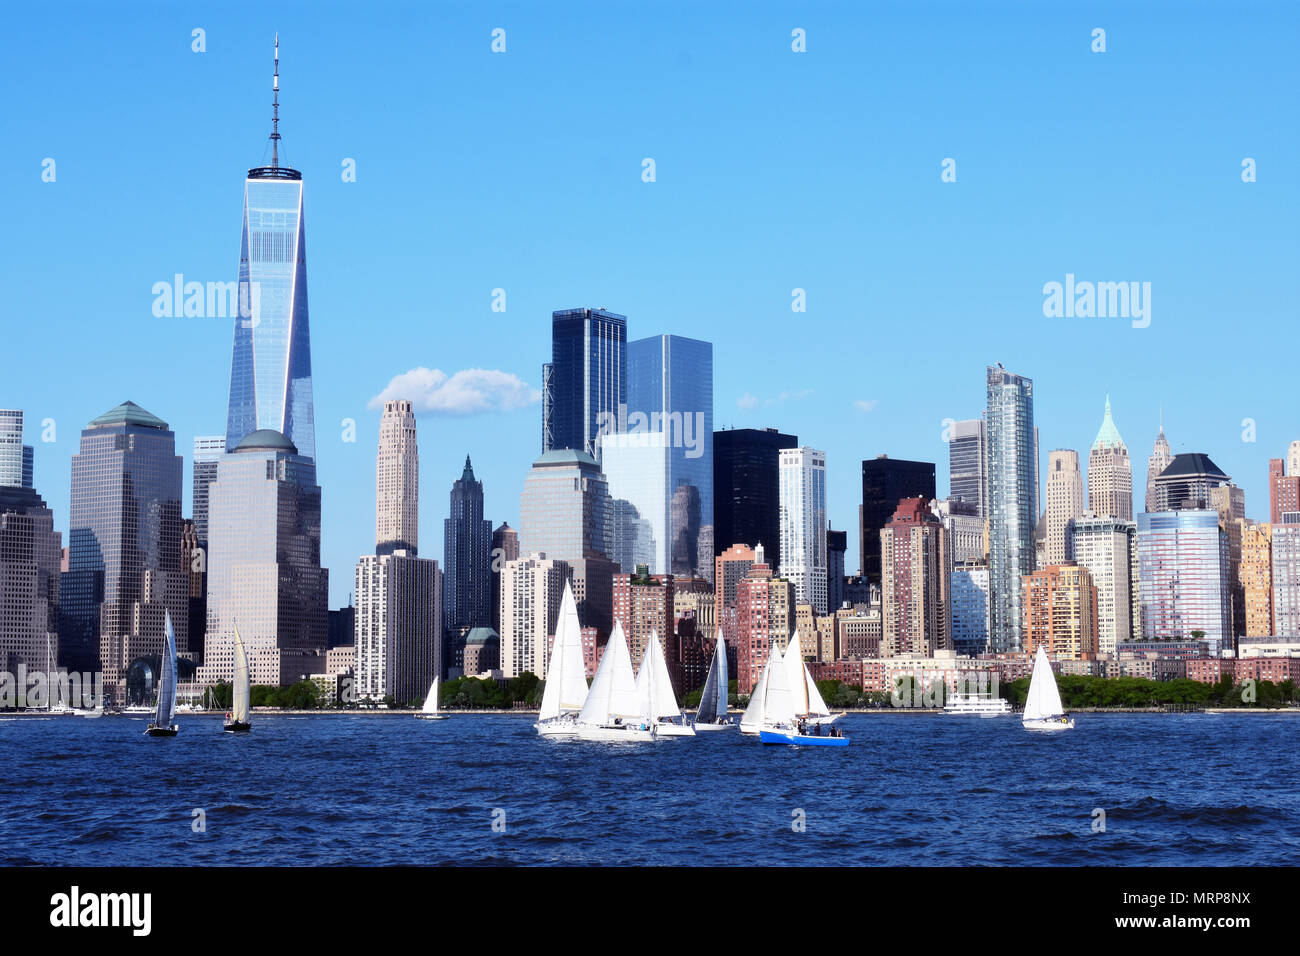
[275,107]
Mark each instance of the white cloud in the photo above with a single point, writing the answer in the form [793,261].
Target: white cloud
[747,401]
[864,405]
[467,392]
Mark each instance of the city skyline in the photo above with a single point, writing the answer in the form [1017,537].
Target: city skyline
[740,301]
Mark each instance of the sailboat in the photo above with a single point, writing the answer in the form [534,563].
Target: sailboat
[161,725]
[612,710]
[1043,707]
[53,685]
[654,686]
[809,706]
[237,718]
[566,675]
[755,716]
[430,709]
[712,713]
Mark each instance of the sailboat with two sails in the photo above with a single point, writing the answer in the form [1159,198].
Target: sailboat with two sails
[613,710]
[565,691]
[1043,707]
[237,718]
[654,686]
[162,725]
[712,712]
[786,707]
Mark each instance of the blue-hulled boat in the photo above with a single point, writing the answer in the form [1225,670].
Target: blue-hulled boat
[801,740]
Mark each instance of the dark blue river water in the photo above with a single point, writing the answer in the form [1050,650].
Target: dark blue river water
[1187,789]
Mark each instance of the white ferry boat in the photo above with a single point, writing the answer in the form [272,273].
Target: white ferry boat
[981,705]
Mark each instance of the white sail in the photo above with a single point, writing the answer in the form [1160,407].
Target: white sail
[167,679]
[779,702]
[816,703]
[240,692]
[663,698]
[431,701]
[613,691]
[713,699]
[794,674]
[565,690]
[755,715]
[724,682]
[1044,698]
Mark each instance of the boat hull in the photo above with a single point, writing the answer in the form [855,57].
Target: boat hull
[236,727]
[674,730]
[1049,724]
[430,716]
[621,733]
[800,740]
[702,728]
[155,731]
[557,727]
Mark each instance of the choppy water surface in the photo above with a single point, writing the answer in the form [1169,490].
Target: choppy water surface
[1187,789]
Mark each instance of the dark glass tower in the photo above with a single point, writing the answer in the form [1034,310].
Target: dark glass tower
[885,482]
[587,375]
[747,489]
[270,373]
[467,575]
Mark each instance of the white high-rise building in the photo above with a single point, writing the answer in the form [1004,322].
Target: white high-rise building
[11,447]
[1107,547]
[1160,459]
[397,481]
[802,496]
[1064,502]
[1110,473]
[531,589]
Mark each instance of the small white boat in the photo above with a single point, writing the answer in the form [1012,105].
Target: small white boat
[977,704]
[612,710]
[1043,707]
[712,713]
[565,689]
[430,709]
[654,686]
[237,719]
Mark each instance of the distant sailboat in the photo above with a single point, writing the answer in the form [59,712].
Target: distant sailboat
[161,725]
[52,684]
[237,721]
[808,703]
[1043,707]
[712,712]
[612,710]
[654,686]
[565,691]
[430,709]
[755,716]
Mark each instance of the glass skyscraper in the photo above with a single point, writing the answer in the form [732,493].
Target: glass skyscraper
[660,465]
[1184,576]
[885,482]
[967,464]
[747,489]
[467,558]
[208,450]
[270,374]
[585,382]
[1012,501]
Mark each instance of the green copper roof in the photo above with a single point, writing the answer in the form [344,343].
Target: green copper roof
[565,456]
[1108,437]
[129,413]
[266,439]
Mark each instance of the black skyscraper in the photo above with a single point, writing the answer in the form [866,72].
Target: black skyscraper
[886,481]
[746,489]
[585,379]
[467,577]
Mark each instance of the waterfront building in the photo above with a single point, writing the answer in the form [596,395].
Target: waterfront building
[915,569]
[1183,576]
[885,482]
[1107,547]
[1285,542]
[1110,473]
[803,524]
[968,464]
[585,383]
[1064,503]
[482,651]
[969,595]
[747,488]
[1060,603]
[1012,501]
[30,551]
[1256,575]
[270,371]
[505,547]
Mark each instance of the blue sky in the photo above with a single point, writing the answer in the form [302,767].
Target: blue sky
[775,170]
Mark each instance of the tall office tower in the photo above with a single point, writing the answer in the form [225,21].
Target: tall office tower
[1187,482]
[1064,502]
[1060,607]
[747,488]
[124,547]
[1293,458]
[915,568]
[564,513]
[968,475]
[467,558]
[505,547]
[967,540]
[270,373]
[1013,469]
[1230,502]
[587,376]
[1283,492]
[764,617]
[803,524]
[400,615]
[30,550]
[1110,473]
[1160,459]
[531,590]
[1183,576]
[636,468]
[885,482]
[970,608]
[1256,575]
[728,568]
[208,450]
[644,604]
[1107,547]
[837,544]
[11,448]
[661,462]
[397,481]
[264,568]
[28,466]
[1286,580]
[194,564]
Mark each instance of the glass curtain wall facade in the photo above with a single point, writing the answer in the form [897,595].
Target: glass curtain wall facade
[1012,501]
[587,376]
[1183,576]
